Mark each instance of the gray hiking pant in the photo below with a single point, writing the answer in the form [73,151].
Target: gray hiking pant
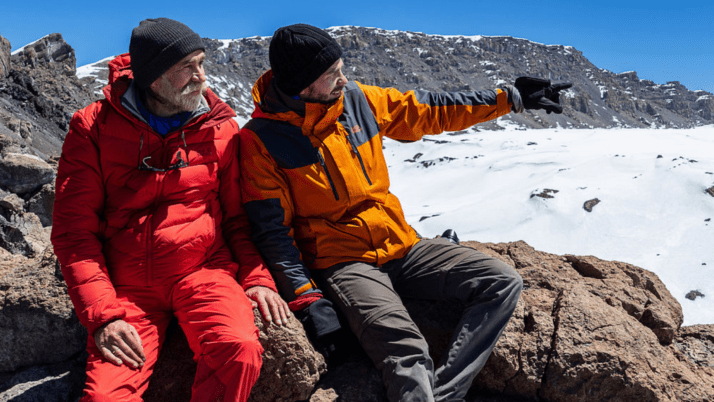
[436,269]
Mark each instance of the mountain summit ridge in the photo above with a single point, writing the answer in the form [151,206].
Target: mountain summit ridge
[44,73]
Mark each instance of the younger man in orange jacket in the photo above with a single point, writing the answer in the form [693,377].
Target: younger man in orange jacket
[316,189]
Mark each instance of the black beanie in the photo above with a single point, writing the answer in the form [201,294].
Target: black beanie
[299,54]
[156,45]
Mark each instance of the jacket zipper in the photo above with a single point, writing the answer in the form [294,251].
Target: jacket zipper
[359,157]
[149,250]
[149,227]
[327,172]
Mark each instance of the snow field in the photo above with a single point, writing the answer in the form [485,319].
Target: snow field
[653,211]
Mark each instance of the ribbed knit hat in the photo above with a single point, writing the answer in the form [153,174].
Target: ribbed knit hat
[299,54]
[156,45]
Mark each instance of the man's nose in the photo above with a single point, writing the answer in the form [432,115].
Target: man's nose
[199,75]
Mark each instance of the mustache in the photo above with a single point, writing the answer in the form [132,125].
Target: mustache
[192,87]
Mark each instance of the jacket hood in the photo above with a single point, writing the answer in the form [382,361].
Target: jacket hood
[120,77]
[318,117]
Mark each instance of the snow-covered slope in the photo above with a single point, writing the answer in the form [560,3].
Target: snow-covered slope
[653,211]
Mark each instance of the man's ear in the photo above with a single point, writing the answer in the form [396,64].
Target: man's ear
[303,92]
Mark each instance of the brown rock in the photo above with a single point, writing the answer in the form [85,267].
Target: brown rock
[590,204]
[291,367]
[585,330]
[593,330]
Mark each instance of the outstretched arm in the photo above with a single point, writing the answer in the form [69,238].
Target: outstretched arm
[409,116]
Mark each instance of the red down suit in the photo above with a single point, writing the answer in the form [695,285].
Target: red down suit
[144,246]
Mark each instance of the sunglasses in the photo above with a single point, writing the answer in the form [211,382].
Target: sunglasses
[180,162]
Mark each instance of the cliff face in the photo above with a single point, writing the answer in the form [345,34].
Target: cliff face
[406,60]
[41,88]
[38,97]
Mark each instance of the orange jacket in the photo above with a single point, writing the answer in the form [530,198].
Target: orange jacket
[117,225]
[316,186]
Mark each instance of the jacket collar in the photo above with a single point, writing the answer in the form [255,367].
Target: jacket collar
[120,93]
[128,101]
[315,119]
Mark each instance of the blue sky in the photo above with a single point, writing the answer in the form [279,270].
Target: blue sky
[661,40]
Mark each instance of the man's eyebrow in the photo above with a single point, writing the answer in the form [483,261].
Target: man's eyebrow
[189,61]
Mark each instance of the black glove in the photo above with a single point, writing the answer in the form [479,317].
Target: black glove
[538,93]
[324,331]
[319,319]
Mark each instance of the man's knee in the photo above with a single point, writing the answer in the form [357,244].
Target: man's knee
[492,278]
[250,351]
[227,349]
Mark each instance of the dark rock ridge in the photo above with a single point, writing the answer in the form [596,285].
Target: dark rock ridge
[408,60]
[38,95]
[39,88]
[4,57]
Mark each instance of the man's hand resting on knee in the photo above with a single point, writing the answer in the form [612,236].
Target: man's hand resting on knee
[120,344]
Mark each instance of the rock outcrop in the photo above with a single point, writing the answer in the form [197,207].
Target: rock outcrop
[38,325]
[38,96]
[22,173]
[593,330]
[291,366]
[4,57]
[42,343]
[584,330]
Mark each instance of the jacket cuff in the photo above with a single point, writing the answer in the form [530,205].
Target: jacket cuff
[111,314]
[248,283]
[304,300]
[514,98]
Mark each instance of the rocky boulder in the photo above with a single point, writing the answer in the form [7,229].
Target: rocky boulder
[42,344]
[584,330]
[593,330]
[38,325]
[22,173]
[4,57]
[291,366]
[42,204]
[21,232]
